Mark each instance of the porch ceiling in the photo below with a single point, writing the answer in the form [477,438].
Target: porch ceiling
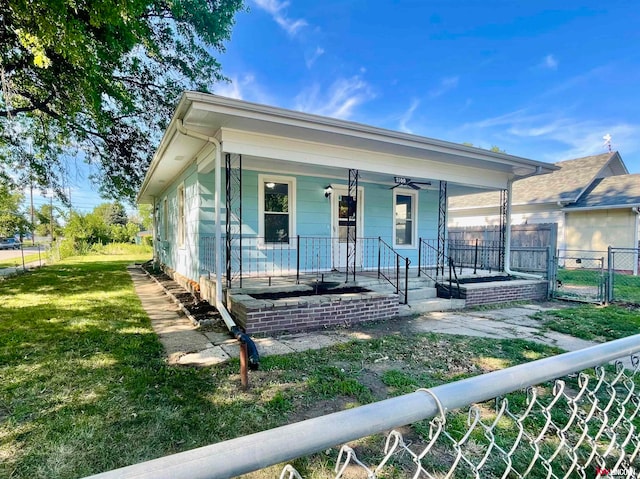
[209,115]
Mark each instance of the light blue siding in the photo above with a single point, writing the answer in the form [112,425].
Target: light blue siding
[312,219]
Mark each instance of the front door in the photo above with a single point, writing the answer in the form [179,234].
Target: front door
[347,225]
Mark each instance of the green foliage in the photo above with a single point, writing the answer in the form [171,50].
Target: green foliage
[13,219]
[99,80]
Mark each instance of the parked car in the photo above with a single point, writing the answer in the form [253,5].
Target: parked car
[9,243]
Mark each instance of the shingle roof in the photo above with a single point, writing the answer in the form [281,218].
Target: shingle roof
[565,184]
[621,190]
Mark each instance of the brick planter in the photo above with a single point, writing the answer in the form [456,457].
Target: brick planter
[477,294]
[310,312]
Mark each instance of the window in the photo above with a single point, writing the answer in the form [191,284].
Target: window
[405,209]
[277,208]
[165,219]
[181,219]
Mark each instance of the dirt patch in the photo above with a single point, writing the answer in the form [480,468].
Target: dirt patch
[206,315]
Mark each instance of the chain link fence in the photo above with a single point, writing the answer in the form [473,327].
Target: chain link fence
[585,424]
[624,282]
[579,277]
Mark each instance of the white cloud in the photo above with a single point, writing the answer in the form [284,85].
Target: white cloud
[243,87]
[311,59]
[276,9]
[343,96]
[446,84]
[577,137]
[550,62]
[407,115]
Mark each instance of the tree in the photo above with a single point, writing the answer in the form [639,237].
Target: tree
[99,79]
[43,217]
[13,219]
[112,213]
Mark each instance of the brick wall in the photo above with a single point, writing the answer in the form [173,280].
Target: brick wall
[504,292]
[310,312]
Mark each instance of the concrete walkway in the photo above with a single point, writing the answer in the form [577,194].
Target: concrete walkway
[186,345]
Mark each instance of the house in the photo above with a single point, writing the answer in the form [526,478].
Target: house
[593,200]
[245,192]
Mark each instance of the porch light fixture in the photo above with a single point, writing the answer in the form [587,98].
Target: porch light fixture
[327,191]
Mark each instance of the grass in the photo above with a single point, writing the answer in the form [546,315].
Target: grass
[626,287]
[84,387]
[28,258]
[599,323]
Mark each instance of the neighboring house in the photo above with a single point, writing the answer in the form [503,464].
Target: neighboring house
[241,190]
[593,200]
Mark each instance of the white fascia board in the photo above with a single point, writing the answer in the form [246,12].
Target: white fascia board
[233,107]
[302,151]
[604,207]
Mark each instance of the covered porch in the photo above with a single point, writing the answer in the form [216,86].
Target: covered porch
[278,196]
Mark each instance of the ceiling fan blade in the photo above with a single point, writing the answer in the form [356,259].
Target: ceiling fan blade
[428,183]
[414,186]
[393,187]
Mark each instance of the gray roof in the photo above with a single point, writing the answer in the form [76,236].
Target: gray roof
[564,185]
[621,190]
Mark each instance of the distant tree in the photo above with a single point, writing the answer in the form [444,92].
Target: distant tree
[494,148]
[87,229]
[112,213]
[100,79]
[144,217]
[43,217]
[13,218]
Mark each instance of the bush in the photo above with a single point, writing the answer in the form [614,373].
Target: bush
[121,248]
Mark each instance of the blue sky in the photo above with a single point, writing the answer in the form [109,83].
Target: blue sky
[540,79]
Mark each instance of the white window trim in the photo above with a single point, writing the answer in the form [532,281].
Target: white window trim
[291,181]
[165,219]
[181,206]
[414,218]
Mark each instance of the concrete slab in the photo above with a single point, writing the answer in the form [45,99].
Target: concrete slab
[305,342]
[184,342]
[206,357]
[566,342]
[271,347]
[219,338]
[502,314]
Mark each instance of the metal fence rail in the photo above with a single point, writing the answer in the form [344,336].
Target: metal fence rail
[599,428]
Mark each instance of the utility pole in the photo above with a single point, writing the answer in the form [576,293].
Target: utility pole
[33,238]
[51,217]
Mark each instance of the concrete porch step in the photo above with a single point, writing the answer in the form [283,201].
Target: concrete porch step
[429,305]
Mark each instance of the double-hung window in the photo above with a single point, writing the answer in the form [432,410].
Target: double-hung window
[405,214]
[277,208]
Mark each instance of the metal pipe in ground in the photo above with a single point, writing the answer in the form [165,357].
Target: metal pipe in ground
[250,453]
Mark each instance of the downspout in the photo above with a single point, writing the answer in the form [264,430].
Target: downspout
[635,239]
[234,329]
[507,240]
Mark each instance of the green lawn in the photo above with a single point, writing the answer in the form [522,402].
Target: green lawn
[626,287]
[28,258]
[600,323]
[84,387]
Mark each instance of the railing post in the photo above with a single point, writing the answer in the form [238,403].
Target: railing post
[419,255]
[397,273]
[379,253]
[475,259]
[450,284]
[406,280]
[298,260]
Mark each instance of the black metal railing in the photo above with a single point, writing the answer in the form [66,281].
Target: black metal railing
[475,254]
[428,266]
[305,256]
[394,268]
